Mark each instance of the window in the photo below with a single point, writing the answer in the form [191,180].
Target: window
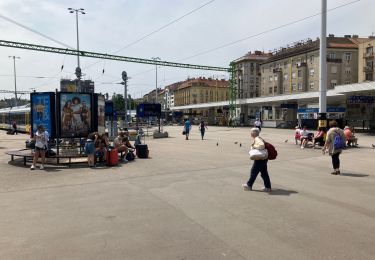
[332,55]
[333,83]
[271,78]
[311,58]
[347,82]
[369,50]
[271,68]
[300,87]
[348,70]
[285,76]
[311,85]
[275,89]
[293,75]
[369,77]
[276,78]
[294,86]
[270,90]
[285,64]
[348,56]
[334,69]
[299,73]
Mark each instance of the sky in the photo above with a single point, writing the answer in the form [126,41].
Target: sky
[110,25]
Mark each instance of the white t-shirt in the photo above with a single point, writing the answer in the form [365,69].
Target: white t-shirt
[257,123]
[304,133]
[41,139]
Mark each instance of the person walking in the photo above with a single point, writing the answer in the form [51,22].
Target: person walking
[187,128]
[258,124]
[259,165]
[334,144]
[202,128]
[41,137]
[90,150]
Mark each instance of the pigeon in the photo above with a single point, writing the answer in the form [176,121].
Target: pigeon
[240,144]
[235,142]
[217,144]
[286,141]
[373,146]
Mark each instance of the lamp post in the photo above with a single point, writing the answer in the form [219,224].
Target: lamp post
[15,77]
[80,10]
[156,79]
[125,78]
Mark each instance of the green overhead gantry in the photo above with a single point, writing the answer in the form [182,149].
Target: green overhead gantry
[88,54]
[35,47]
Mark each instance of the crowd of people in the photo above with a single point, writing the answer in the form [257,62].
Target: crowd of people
[97,145]
[332,141]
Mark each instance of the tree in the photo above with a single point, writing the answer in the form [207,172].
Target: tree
[118,102]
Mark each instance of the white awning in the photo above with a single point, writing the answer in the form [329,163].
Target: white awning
[336,92]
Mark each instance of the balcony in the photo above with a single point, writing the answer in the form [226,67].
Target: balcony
[301,64]
[368,69]
[277,70]
[368,55]
[334,60]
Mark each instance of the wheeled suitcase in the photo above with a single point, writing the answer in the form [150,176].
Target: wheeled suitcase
[142,151]
[112,157]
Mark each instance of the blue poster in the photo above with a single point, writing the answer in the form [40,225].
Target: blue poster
[41,111]
[75,109]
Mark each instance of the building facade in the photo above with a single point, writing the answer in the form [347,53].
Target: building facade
[249,81]
[366,60]
[295,70]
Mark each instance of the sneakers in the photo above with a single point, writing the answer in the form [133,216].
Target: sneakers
[246,187]
[41,167]
[264,189]
[124,160]
[302,147]
[32,167]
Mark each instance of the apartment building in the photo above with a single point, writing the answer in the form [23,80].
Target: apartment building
[201,90]
[248,74]
[366,60]
[296,69]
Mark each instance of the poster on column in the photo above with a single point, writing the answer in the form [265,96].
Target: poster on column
[43,112]
[75,110]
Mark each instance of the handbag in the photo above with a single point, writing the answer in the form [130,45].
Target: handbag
[184,132]
[256,154]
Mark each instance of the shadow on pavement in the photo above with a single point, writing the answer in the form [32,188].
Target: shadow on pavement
[282,192]
[354,175]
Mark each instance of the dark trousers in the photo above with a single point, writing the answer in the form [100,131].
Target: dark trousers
[202,134]
[259,166]
[336,161]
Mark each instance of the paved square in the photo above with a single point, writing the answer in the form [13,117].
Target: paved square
[186,202]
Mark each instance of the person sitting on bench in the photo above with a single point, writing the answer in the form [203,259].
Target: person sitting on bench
[120,145]
[352,140]
[319,137]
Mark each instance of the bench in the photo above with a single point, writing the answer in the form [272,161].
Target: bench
[28,154]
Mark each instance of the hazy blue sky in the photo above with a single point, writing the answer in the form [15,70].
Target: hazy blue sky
[109,25]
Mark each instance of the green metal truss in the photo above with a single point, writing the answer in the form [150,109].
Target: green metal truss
[97,55]
[232,91]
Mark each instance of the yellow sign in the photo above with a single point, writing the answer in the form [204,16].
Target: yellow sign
[322,123]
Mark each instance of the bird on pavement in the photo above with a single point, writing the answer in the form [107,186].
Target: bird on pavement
[373,146]
[286,141]
[240,145]
[235,142]
[217,144]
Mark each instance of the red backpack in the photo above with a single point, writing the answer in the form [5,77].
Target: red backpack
[272,153]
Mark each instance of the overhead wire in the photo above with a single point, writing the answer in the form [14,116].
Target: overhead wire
[35,31]
[155,31]
[265,32]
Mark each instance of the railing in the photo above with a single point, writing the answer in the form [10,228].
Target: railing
[302,64]
[334,60]
[368,55]
[368,68]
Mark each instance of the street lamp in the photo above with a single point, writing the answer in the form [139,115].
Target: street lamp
[80,10]
[15,77]
[156,80]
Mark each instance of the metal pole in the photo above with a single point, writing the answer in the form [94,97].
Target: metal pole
[77,39]
[323,60]
[126,101]
[156,85]
[15,80]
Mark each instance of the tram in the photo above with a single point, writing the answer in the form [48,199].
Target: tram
[20,114]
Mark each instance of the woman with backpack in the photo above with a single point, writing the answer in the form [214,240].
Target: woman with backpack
[259,154]
[334,144]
